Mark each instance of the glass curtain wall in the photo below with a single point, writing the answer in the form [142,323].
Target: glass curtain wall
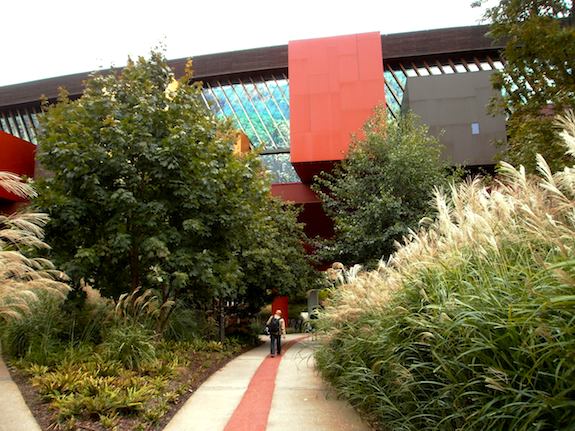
[260,108]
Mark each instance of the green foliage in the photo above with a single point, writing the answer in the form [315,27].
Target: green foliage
[36,335]
[186,324]
[146,192]
[86,384]
[470,325]
[539,55]
[381,190]
[130,344]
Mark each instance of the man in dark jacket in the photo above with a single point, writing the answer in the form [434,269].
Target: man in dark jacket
[276,327]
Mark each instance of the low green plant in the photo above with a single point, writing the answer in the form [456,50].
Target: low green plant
[110,421]
[88,314]
[144,307]
[185,324]
[87,384]
[469,326]
[130,344]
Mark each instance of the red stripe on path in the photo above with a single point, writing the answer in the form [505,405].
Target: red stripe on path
[253,410]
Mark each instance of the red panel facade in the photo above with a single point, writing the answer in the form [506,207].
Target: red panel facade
[294,193]
[281,303]
[16,156]
[335,83]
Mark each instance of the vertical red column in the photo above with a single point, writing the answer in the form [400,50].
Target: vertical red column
[335,83]
[281,303]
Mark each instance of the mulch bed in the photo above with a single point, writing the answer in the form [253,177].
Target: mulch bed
[189,378]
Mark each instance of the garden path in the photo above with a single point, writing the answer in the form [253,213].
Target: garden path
[14,413]
[255,392]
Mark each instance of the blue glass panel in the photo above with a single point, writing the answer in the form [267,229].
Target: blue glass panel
[260,110]
[392,104]
[280,168]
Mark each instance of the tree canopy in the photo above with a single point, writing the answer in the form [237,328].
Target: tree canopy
[145,190]
[381,190]
[537,80]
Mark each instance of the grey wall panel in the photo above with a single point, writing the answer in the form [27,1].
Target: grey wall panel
[450,105]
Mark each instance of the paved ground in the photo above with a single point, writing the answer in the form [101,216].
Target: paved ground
[254,392]
[14,413]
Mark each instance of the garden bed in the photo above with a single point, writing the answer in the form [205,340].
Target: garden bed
[56,405]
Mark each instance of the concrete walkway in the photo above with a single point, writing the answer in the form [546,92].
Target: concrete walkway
[253,392]
[234,398]
[14,412]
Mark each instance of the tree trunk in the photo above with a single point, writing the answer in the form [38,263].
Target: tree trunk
[165,312]
[134,268]
[222,321]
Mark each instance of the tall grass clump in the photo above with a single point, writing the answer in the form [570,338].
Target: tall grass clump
[22,272]
[470,325]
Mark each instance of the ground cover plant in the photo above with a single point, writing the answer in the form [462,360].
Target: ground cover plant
[470,325]
[102,364]
[90,387]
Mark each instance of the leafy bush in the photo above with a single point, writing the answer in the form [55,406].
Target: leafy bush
[470,324]
[381,190]
[186,324]
[88,315]
[130,344]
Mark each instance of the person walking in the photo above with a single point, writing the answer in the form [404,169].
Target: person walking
[276,327]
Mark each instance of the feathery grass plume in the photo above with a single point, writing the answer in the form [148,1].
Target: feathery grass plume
[469,325]
[12,183]
[22,276]
[144,307]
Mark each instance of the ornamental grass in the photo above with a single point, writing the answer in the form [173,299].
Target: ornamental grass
[470,325]
[23,273]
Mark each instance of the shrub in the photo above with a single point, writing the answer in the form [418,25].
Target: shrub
[381,190]
[37,334]
[469,326]
[130,344]
[88,316]
[185,324]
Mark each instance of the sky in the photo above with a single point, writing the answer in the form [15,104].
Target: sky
[43,39]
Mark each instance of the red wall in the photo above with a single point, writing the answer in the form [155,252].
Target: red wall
[281,303]
[334,84]
[16,156]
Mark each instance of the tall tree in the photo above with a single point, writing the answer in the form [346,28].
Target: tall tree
[381,190]
[538,79]
[145,190]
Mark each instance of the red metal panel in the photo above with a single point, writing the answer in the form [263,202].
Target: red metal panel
[298,193]
[16,156]
[281,303]
[335,83]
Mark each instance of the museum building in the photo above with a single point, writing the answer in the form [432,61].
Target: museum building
[300,103]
